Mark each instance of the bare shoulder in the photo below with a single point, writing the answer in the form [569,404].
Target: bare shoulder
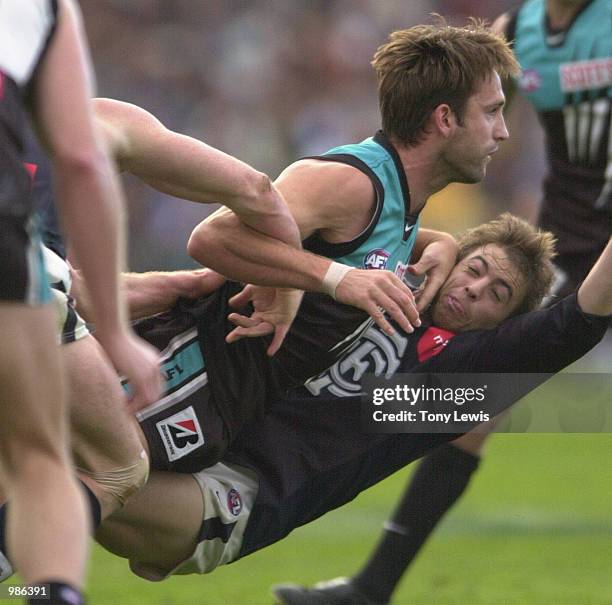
[325,195]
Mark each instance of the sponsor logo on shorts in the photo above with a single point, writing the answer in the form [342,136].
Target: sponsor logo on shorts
[234,502]
[376,259]
[181,433]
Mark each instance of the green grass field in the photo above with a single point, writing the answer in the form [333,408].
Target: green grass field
[535,528]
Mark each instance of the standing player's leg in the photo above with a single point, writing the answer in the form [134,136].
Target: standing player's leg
[47,519]
[105,437]
[439,481]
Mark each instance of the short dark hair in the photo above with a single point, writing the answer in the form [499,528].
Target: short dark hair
[529,248]
[427,65]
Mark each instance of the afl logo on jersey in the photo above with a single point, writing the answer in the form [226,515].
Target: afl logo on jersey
[376,259]
[530,80]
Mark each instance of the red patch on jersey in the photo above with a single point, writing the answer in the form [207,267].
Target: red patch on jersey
[1,86]
[432,342]
[188,424]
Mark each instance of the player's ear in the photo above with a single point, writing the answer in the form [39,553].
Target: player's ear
[444,120]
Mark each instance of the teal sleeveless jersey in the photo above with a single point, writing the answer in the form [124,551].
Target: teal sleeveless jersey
[567,76]
[556,65]
[388,240]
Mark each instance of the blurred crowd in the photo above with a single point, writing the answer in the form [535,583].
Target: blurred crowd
[270,81]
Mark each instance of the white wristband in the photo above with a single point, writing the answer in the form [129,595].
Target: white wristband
[335,274]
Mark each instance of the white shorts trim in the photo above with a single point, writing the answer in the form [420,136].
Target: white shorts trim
[70,325]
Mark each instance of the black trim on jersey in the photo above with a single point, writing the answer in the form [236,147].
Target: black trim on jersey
[315,243]
[215,528]
[381,138]
[550,31]
[410,217]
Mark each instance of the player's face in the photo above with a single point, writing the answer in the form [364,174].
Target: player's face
[478,137]
[482,290]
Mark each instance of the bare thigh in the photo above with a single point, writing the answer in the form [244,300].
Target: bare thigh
[105,437]
[159,525]
[32,406]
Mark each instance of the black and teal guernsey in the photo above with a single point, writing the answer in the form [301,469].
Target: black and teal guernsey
[241,375]
[25,31]
[567,76]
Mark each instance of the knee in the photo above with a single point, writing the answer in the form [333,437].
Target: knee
[117,485]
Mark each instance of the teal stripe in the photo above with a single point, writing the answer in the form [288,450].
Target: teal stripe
[184,365]
[180,368]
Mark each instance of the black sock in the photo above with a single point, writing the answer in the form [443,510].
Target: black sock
[435,486]
[3,509]
[59,593]
[94,507]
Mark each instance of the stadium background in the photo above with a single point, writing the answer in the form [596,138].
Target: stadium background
[270,81]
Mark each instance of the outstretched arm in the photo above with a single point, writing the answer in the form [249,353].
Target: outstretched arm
[187,168]
[595,293]
[152,292]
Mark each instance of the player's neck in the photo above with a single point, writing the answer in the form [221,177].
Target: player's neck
[422,173]
[561,12]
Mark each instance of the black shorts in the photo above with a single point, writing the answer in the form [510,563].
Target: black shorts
[22,275]
[184,429]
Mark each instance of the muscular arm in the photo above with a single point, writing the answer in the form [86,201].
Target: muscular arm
[595,293]
[152,292]
[333,199]
[187,168]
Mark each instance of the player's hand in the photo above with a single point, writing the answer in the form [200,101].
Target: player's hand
[274,312]
[139,362]
[436,262]
[376,291]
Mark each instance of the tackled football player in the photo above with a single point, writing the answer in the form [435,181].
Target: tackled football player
[308,454]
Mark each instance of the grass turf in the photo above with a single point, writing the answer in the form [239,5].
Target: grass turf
[534,528]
